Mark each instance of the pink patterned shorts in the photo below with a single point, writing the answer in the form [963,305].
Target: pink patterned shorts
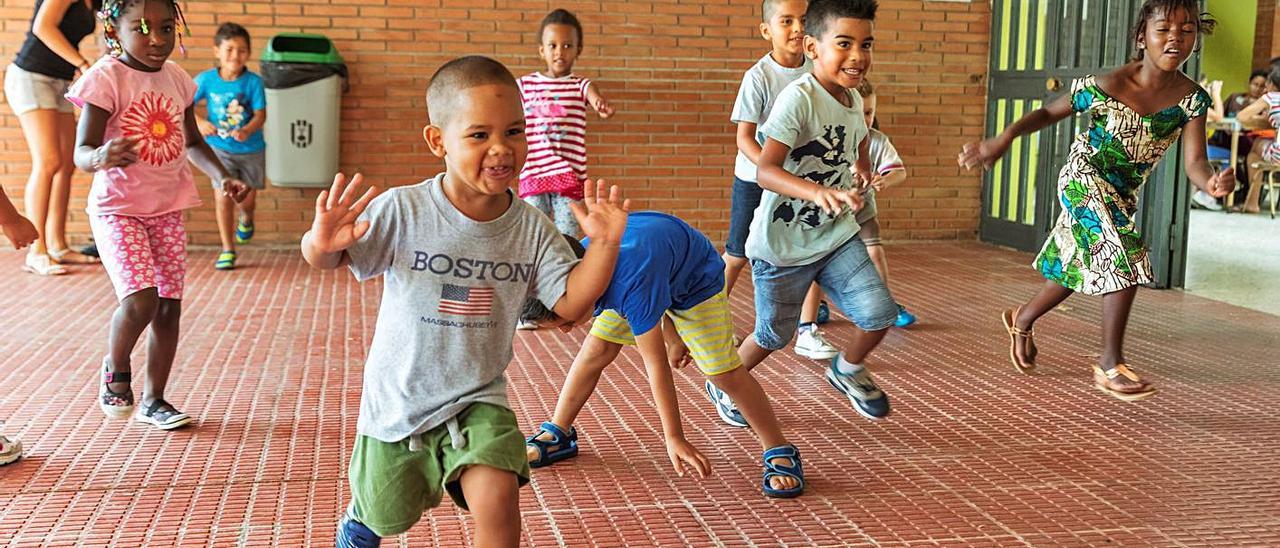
[143,252]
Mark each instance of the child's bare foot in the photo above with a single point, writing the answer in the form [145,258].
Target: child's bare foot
[783,482]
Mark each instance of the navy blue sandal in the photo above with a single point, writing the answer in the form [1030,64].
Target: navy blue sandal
[562,445]
[772,470]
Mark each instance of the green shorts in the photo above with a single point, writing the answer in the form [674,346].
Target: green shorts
[392,486]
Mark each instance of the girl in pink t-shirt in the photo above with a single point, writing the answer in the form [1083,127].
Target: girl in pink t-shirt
[137,129]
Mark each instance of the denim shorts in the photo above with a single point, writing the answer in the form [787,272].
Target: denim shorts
[746,198]
[846,275]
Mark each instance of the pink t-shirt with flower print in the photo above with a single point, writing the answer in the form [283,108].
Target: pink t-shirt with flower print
[148,106]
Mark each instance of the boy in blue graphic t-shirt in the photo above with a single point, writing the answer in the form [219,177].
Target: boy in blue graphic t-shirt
[236,105]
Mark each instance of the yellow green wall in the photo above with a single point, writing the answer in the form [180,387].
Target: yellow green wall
[1228,54]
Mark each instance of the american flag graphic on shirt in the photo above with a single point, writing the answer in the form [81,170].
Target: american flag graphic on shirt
[466,301]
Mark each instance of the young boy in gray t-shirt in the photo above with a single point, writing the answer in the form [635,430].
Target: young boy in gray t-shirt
[459,254]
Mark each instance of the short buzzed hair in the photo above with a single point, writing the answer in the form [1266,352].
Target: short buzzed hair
[767,9]
[822,12]
[770,8]
[459,75]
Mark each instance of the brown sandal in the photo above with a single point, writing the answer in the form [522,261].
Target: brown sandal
[1140,390]
[1028,362]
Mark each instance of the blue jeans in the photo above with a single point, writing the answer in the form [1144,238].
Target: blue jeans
[742,209]
[846,275]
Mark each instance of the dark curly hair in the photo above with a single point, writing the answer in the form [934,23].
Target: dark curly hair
[561,17]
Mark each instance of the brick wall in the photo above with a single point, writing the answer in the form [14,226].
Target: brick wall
[671,68]
[1264,36]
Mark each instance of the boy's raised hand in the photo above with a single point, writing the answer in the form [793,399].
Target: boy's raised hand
[335,228]
[602,219]
[687,460]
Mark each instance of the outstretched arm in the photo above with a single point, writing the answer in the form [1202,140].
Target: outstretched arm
[1195,160]
[684,458]
[597,101]
[984,154]
[202,156]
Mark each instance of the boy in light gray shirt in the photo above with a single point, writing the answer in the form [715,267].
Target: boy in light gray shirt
[460,254]
[784,29]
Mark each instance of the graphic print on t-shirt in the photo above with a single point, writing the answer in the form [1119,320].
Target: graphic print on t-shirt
[230,113]
[156,123]
[828,149]
[466,301]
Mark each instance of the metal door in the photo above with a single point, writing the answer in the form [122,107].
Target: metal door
[1037,48]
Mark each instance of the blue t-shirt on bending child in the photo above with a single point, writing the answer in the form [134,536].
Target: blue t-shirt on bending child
[231,105]
[663,264]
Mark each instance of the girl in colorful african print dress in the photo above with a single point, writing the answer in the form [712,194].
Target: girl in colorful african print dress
[1138,111]
[137,129]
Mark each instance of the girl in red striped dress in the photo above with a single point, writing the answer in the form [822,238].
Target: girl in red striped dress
[555,109]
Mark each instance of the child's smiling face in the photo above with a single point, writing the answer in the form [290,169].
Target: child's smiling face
[785,28]
[232,54]
[482,142]
[842,55]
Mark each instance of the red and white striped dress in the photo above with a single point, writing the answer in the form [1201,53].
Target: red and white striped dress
[555,111]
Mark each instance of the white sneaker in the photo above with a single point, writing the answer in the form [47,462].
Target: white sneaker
[526,325]
[1203,199]
[811,344]
[10,450]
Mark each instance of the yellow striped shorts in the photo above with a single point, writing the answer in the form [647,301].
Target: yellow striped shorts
[707,329]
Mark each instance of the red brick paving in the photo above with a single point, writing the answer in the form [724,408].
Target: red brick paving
[974,454]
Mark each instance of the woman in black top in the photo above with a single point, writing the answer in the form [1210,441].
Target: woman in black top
[35,85]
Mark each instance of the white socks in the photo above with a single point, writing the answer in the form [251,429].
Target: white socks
[845,367]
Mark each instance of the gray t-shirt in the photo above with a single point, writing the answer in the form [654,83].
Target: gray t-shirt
[453,291]
[760,87]
[884,159]
[824,136]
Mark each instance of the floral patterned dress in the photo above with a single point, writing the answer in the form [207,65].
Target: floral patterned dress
[1095,247]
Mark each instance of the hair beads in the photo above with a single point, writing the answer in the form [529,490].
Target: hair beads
[113,9]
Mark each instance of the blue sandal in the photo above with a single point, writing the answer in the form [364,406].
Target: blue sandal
[771,470]
[565,444]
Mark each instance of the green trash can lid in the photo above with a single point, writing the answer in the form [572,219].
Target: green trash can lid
[297,47]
